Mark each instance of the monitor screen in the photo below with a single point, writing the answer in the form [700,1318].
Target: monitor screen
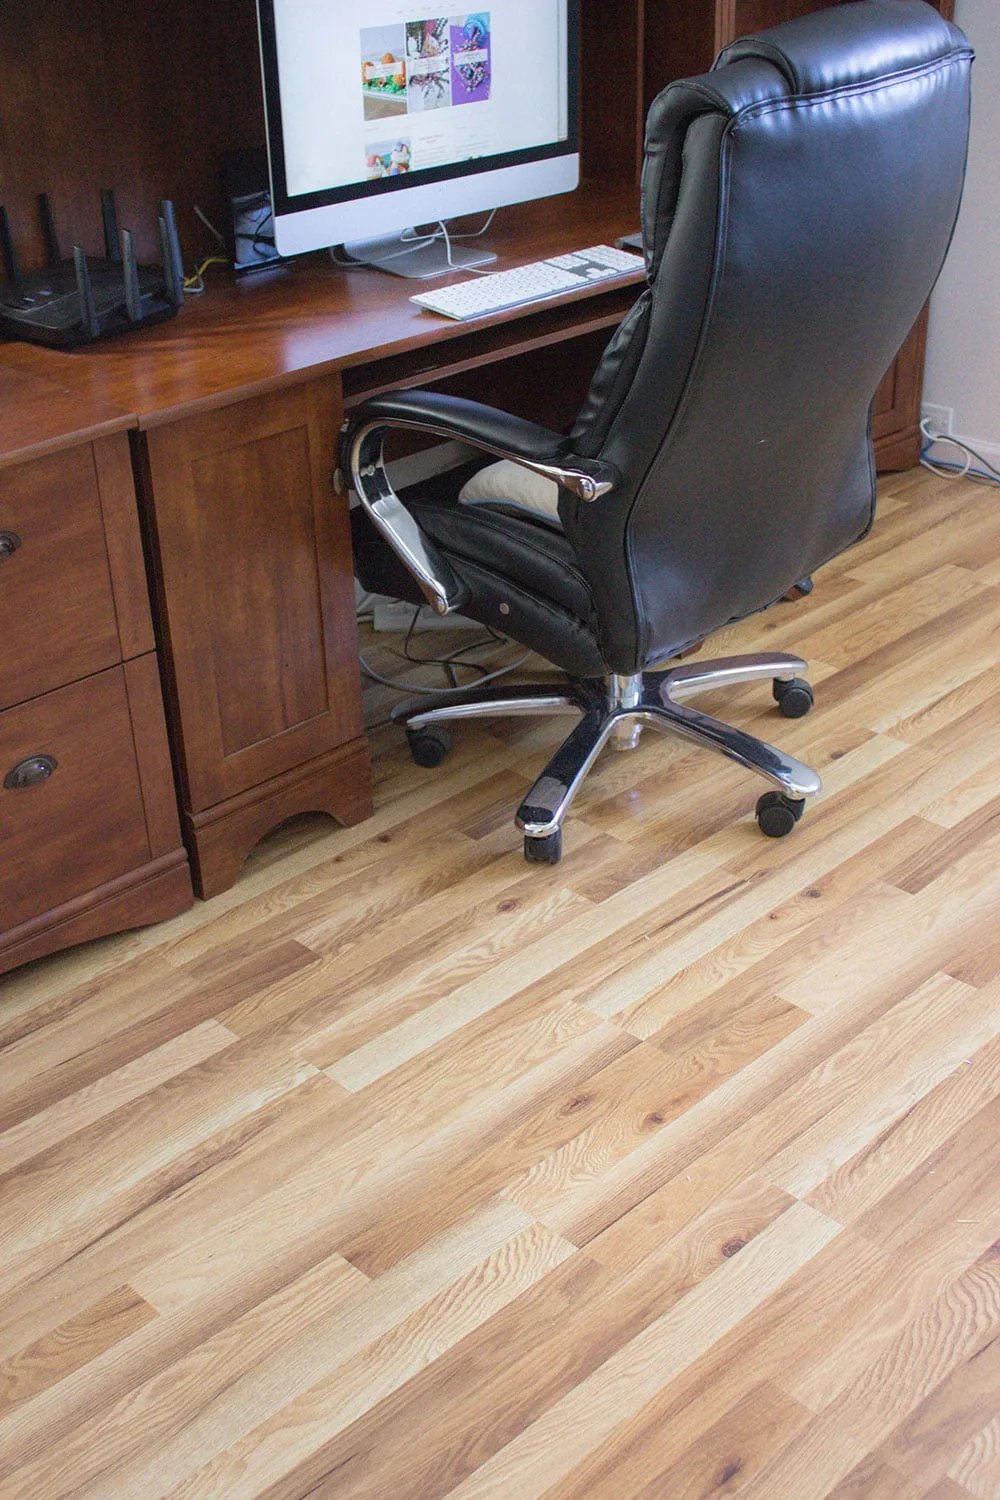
[380,117]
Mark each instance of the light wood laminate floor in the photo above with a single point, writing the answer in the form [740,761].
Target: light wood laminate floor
[405,1170]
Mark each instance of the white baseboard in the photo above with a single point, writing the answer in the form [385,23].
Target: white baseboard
[985,447]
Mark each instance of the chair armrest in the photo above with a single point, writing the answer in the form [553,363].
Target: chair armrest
[494,431]
[363,468]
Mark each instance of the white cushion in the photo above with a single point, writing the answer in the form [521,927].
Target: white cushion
[507,483]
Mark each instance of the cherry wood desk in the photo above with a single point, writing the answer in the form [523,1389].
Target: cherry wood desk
[233,410]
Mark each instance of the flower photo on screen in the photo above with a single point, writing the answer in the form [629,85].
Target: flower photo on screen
[428,76]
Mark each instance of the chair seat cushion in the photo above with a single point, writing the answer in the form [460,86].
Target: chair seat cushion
[514,488]
[520,569]
[536,557]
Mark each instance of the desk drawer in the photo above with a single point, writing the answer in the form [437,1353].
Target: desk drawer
[71,810]
[57,610]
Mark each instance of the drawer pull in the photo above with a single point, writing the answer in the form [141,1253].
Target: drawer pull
[30,772]
[9,543]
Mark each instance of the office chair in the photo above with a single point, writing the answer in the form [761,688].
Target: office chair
[797,204]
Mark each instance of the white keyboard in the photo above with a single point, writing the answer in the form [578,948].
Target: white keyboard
[543,278]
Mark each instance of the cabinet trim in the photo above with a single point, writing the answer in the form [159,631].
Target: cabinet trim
[158,890]
[121,531]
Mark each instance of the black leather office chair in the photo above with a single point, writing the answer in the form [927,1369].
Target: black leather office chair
[797,205]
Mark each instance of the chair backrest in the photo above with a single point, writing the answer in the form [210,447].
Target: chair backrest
[797,205]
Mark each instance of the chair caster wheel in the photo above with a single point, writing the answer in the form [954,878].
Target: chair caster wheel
[428,746]
[794,697]
[777,814]
[546,851]
[798,590]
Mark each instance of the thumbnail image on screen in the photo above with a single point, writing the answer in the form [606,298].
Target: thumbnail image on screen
[436,63]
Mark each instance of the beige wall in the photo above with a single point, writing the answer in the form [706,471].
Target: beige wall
[963,353]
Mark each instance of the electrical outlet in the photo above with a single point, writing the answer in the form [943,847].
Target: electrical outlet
[938,418]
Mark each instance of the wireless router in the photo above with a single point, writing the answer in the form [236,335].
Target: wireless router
[72,302]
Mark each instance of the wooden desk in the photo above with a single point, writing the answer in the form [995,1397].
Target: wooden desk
[235,409]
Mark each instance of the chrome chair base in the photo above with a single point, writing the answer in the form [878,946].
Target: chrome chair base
[615,710]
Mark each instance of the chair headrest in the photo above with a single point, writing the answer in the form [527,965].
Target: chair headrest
[850,44]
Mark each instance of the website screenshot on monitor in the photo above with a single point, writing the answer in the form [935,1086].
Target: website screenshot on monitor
[372,90]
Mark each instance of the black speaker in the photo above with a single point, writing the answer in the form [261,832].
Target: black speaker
[249,225]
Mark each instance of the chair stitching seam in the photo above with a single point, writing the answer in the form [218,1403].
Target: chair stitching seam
[846,90]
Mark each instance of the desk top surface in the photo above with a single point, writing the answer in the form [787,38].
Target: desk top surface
[39,416]
[278,327]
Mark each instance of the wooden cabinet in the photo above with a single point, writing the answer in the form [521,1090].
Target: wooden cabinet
[89,837]
[642,46]
[255,587]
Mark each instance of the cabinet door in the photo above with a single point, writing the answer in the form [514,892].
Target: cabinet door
[57,609]
[256,588]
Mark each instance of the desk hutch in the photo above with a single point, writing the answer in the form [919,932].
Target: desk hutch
[214,435]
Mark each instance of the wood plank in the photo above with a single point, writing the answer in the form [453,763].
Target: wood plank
[909,1141]
[532,1355]
[265,1452]
[573,1427]
[58,1202]
[724,1457]
[47,1127]
[278,1348]
[751,1354]
[976,1467]
[955,1334]
[773,1098]
[222,1184]
[909,1065]
[921,1271]
[71,1346]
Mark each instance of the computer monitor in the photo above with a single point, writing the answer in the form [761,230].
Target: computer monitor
[381,116]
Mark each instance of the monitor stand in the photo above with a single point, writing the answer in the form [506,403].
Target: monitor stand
[424,258]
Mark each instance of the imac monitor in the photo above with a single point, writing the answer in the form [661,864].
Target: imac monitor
[382,116]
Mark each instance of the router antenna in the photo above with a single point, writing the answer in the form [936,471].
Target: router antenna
[85,293]
[110,218]
[11,265]
[133,301]
[48,230]
[173,266]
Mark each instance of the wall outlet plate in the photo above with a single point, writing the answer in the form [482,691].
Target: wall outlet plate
[939,418]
